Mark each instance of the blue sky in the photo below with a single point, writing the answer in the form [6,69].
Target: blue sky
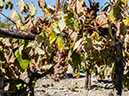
[39,11]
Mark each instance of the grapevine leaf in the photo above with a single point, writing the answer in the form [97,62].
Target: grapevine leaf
[95,36]
[8,3]
[9,56]
[77,44]
[126,80]
[40,39]
[123,1]
[32,8]
[42,3]
[56,29]
[45,10]
[105,53]
[52,36]
[76,23]
[19,85]
[74,36]
[1,55]
[22,6]
[61,15]
[91,67]
[69,16]
[62,24]
[111,16]
[1,4]
[75,60]
[23,60]
[21,48]
[39,51]
[31,44]
[126,20]
[71,26]
[60,42]
[15,17]
[6,41]
[88,44]
[23,28]
[117,11]
[33,83]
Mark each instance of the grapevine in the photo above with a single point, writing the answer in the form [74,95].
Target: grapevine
[94,42]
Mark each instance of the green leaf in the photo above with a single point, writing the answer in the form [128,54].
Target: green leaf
[39,50]
[71,26]
[42,3]
[23,28]
[61,15]
[111,14]
[33,83]
[46,10]
[32,8]
[76,23]
[1,55]
[95,36]
[23,60]
[77,44]
[31,44]
[69,16]
[105,53]
[91,68]
[52,36]
[8,3]
[60,42]
[19,85]
[56,29]
[15,17]
[1,4]
[62,24]
[40,39]
[75,60]
[22,6]
[88,45]
[117,11]
[126,20]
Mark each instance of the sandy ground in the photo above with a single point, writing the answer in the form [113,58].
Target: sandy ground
[75,87]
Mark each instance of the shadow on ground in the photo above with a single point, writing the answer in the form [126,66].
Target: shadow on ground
[106,84]
[70,75]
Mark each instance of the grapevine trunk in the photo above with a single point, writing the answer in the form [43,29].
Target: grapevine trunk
[119,68]
[88,80]
[1,84]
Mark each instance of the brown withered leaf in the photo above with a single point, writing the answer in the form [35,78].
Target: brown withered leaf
[9,56]
[32,25]
[102,19]
[77,5]
[15,45]
[121,32]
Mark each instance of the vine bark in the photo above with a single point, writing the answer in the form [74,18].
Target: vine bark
[119,68]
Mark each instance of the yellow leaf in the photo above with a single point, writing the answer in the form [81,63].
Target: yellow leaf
[23,28]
